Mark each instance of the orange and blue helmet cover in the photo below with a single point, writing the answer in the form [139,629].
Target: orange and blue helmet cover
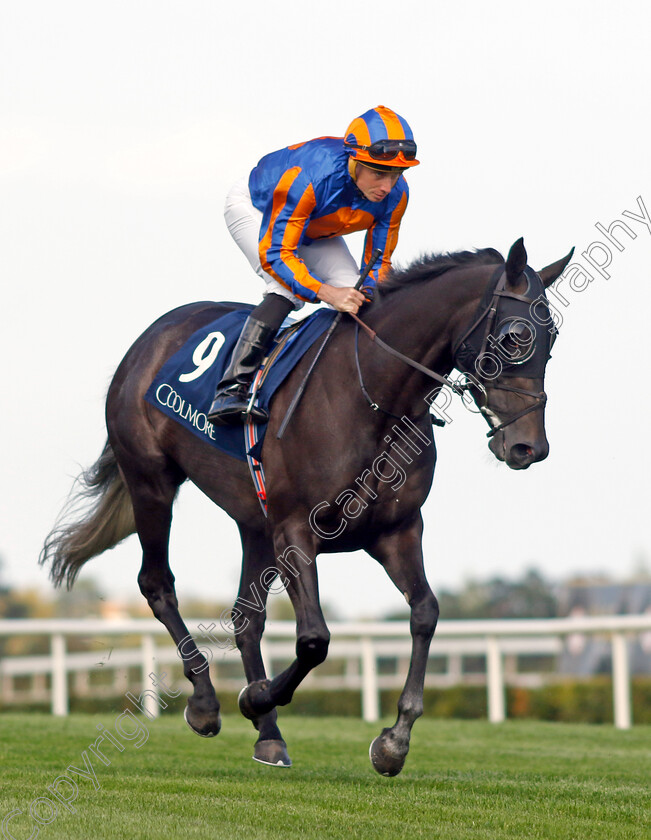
[382,138]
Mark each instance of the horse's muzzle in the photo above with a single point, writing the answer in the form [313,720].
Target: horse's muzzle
[522,455]
[519,456]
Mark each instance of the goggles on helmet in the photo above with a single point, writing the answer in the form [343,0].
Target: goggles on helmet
[388,149]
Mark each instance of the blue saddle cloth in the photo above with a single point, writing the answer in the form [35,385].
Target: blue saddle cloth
[184,387]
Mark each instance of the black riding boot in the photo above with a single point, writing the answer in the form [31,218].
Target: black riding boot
[231,399]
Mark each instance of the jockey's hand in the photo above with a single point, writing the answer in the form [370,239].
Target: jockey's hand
[344,299]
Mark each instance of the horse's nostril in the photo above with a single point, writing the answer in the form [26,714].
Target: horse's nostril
[522,453]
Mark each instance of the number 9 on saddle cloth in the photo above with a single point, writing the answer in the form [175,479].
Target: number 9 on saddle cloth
[184,386]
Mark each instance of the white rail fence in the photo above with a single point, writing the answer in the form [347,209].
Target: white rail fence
[360,646]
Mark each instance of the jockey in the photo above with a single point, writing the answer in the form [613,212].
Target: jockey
[289,216]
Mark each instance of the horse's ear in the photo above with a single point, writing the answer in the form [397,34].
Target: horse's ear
[516,261]
[553,272]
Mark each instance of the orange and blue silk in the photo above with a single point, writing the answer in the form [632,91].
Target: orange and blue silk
[305,192]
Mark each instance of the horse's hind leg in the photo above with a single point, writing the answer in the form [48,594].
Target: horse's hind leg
[152,495]
[248,622]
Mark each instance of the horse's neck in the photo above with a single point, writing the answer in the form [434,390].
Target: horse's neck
[424,320]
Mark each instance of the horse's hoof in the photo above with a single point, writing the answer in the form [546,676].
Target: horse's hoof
[386,757]
[249,695]
[208,730]
[273,753]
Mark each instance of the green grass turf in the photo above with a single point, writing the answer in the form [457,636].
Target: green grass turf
[462,779]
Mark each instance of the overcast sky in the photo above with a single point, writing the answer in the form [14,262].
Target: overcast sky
[122,124]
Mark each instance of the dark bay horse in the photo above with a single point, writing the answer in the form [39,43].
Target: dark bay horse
[344,477]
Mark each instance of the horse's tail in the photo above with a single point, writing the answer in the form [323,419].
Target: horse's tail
[84,530]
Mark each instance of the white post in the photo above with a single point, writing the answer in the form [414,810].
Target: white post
[370,698]
[149,690]
[621,683]
[495,681]
[59,676]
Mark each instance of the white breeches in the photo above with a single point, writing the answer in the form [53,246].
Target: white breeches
[328,259]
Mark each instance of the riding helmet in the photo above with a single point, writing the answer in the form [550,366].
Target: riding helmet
[381,139]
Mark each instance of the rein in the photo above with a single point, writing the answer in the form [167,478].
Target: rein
[393,352]
[396,353]
[489,314]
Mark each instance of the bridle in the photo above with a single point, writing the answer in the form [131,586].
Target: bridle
[540,398]
[487,315]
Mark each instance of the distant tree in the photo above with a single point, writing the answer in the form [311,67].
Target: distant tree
[84,600]
[4,587]
[529,597]
[16,603]
[641,568]
[279,608]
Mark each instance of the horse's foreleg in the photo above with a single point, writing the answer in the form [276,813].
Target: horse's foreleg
[153,514]
[401,555]
[248,623]
[298,572]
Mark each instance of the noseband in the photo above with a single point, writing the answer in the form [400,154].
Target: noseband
[540,398]
[489,315]
[465,352]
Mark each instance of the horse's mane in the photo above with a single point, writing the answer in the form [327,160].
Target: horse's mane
[430,266]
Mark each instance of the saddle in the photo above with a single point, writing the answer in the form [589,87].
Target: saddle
[184,386]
